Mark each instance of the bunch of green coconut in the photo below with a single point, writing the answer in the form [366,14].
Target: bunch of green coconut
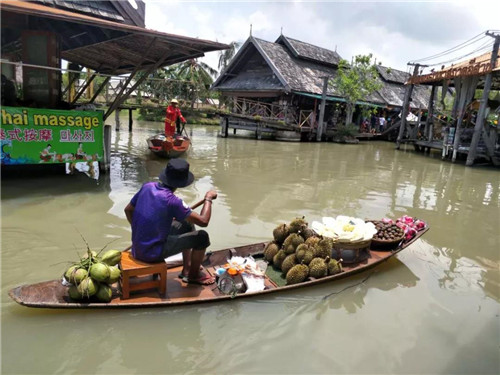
[300,253]
[93,275]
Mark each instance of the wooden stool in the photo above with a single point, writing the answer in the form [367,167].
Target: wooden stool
[132,269]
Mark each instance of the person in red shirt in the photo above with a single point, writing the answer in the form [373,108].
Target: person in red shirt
[173,112]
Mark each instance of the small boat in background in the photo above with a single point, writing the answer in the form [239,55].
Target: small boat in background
[168,146]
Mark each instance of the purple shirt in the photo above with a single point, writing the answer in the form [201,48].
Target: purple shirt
[155,208]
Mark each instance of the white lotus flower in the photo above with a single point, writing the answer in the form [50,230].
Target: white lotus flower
[344,228]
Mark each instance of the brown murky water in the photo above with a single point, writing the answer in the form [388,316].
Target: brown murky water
[434,309]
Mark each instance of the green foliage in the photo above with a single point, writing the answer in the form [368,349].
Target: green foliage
[226,56]
[347,131]
[357,81]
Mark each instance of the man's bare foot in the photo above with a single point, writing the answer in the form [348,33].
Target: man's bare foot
[202,279]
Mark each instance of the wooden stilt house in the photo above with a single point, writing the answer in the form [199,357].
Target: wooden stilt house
[276,87]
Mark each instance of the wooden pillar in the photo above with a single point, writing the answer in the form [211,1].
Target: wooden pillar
[99,89]
[130,119]
[322,110]
[117,119]
[429,123]
[223,130]
[406,107]
[107,149]
[415,132]
[482,108]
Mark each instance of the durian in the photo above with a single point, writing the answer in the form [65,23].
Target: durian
[307,233]
[333,266]
[279,258]
[323,248]
[291,243]
[313,240]
[280,233]
[270,251]
[318,268]
[304,253]
[297,274]
[288,263]
[297,225]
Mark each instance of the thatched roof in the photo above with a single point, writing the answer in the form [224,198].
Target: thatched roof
[261,66]
[273,66]
[306,51]
[393,89]
[101,45]
[118,11]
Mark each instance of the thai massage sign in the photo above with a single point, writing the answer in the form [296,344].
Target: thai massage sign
[36,135]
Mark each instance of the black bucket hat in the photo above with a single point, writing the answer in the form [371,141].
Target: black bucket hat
[177,174]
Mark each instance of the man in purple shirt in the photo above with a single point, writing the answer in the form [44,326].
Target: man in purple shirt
[162,224]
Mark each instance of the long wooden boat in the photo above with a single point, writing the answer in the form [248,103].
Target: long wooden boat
[52,294]
[169,147]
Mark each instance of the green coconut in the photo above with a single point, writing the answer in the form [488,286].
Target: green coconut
[100,272]
[270,251]
[297,225]
[78,275]
[111,257]
[92,253]
[69,272]
[87,287]
[280,233]
[74,293]
[114,275]
[104,293]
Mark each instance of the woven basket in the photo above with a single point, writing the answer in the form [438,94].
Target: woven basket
[386,244]
[351,252]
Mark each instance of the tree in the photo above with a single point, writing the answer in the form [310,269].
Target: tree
[226,55]
[357,81]
[199,74]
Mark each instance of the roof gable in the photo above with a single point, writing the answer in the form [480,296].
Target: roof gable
[310,52]
[392,75]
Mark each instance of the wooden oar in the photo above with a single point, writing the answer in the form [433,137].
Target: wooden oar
[196,205]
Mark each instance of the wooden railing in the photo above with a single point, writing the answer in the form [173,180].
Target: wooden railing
[254,108]
[306,119]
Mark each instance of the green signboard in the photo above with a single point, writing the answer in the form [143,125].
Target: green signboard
[37,136]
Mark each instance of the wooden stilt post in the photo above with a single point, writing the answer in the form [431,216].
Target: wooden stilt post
[117,119]
[406,107]
[428,131]
[484,103]
[130,119]
[322,109]
[107,148]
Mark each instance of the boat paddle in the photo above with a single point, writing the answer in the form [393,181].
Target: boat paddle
[196,205]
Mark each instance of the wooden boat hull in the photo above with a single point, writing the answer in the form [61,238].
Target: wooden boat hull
[169,147]
[52,294]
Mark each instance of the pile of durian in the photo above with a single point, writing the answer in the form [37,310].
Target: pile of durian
[300,253]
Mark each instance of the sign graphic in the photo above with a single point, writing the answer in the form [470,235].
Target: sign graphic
[36,135]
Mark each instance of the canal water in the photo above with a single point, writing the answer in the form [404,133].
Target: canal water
[432,309]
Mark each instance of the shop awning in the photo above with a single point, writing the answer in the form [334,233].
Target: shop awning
[101,45]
